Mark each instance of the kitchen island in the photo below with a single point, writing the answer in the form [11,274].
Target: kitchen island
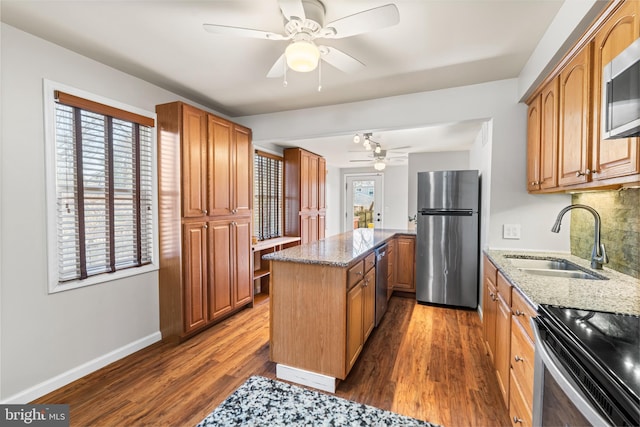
[322,305]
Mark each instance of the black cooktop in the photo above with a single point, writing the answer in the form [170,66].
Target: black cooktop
[612,339]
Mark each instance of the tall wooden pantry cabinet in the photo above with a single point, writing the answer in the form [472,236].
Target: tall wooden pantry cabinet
[305,195]
[205,182]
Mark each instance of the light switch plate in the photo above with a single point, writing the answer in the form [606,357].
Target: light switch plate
[511,231]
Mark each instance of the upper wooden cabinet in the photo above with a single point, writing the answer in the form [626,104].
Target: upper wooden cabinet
[564,145]
[617,157]
[305,195]
[573,144]
[194,162]
[542,139]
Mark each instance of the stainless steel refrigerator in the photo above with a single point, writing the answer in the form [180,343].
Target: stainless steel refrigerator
[447,238]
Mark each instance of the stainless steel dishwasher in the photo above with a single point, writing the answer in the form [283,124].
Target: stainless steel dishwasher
[382,269]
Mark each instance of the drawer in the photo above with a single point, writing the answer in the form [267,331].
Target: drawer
[519,414]
[522,360]
[504,288]
[369,261]
[490,270]
[355,274]
[523,312]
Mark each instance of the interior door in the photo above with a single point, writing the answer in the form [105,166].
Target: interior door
[363,201]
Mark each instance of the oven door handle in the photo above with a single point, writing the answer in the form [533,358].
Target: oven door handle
[545,359]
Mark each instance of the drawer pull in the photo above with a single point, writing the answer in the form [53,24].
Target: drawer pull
[519,313]
[517,420]
[518,358]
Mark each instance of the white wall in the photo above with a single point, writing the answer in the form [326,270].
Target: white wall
[334,197]
[497,102]
[48,340]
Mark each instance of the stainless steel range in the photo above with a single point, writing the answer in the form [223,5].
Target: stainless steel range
[587,368]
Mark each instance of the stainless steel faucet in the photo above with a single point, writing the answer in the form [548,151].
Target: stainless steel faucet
[598,254]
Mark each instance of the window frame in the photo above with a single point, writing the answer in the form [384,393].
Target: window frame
[53,285]
[279,158]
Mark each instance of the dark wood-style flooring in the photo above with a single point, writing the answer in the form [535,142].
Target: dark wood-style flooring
[422,361]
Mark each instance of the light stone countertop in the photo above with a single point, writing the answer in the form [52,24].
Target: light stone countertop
[339,250]
[619,294]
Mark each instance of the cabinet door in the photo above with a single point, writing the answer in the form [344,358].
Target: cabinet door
[313,227]
[322,183]
[369,302]
[549,136]
[573,143]
[243,171]
[489,313]
[194,162]
[221,158]
[304,229]
[617,157]
[305,195]
[243,285]
[322,224]
[405,264]
[503,346]
[220,268]
[355,330]
[534,118]
[391,256]
[312,182]
[195,276]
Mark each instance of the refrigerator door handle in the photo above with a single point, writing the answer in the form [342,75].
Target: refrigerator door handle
[447,212]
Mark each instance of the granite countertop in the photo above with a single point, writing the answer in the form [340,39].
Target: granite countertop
[620,294]
[339,250]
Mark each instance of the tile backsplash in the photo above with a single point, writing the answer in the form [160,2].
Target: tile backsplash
[620,213]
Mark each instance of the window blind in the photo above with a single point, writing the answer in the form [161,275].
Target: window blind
[103,190]
[267,192]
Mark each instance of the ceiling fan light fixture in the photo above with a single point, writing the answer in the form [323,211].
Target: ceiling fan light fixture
[302,56]
[379,165]
[356,138]
[366,144]
[378,149]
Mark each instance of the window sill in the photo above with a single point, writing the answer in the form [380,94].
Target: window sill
[55,287]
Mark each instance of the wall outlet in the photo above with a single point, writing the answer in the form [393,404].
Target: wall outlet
[511,231]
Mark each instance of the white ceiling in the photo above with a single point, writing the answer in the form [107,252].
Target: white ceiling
[437,44]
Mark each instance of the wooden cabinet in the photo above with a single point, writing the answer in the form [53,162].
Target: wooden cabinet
[617,157]
[542,139]
[573,144]
[522,361]
[391,256]
[405,249]
[584,160]
[503,336]
[509,341]
[205,165]
[361,304]
[230,163]
[305,195]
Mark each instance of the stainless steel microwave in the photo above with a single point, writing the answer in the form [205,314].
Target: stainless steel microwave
[621,94]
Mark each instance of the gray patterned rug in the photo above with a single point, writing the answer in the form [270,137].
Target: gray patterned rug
[264,402]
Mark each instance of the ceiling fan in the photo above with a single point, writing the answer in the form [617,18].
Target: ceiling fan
[304,24]
[380,159]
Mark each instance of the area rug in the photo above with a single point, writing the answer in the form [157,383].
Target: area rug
[264,402]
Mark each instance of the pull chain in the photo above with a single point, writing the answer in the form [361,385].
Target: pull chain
[284,83]
[320,76]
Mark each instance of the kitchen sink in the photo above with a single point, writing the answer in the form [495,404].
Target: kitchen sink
[555,267]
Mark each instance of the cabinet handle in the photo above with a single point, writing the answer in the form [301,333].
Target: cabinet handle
[586,172]
[519,313]
[234,211]
[205,226]
[205,212]
[535,182]
[234,223]
[518,358]
[517,420]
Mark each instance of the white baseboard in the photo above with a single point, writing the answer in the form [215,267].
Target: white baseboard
[71,375]
[308,378]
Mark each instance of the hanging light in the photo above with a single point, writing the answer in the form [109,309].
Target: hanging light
[302,56]
[378,149]
[367,144]
[356,138]
[379,165]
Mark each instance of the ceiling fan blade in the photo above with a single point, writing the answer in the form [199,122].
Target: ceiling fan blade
[291,9]
[362,22]
[277,70]
[396,149]
[340,60]
[243,32]
[355,161]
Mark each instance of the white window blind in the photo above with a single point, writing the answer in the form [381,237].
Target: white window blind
[103,189]
[267,207]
